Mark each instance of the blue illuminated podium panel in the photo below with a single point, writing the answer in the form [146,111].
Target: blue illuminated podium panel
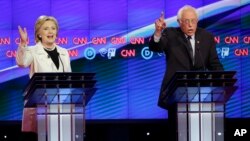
[60,100]
[200,98]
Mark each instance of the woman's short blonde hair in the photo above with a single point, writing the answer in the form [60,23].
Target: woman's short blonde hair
[40,21]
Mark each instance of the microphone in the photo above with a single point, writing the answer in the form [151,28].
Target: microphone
[201,58]
[163,33]
[60,61]
[48,56]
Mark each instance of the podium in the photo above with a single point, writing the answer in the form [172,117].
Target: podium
[199,98]
[60,100]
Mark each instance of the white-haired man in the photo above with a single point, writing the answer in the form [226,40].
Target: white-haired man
[187,48]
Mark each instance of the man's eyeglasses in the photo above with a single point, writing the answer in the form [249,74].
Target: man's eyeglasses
[189,21]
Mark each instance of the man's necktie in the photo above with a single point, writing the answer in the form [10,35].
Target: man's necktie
[190,49]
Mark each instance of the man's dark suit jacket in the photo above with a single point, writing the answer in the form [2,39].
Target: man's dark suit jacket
[174,44]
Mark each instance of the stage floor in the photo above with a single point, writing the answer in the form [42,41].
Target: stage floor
[124,130]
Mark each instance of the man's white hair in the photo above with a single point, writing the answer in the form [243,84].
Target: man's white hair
[184,8]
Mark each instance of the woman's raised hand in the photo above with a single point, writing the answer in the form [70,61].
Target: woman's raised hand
[23,36]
